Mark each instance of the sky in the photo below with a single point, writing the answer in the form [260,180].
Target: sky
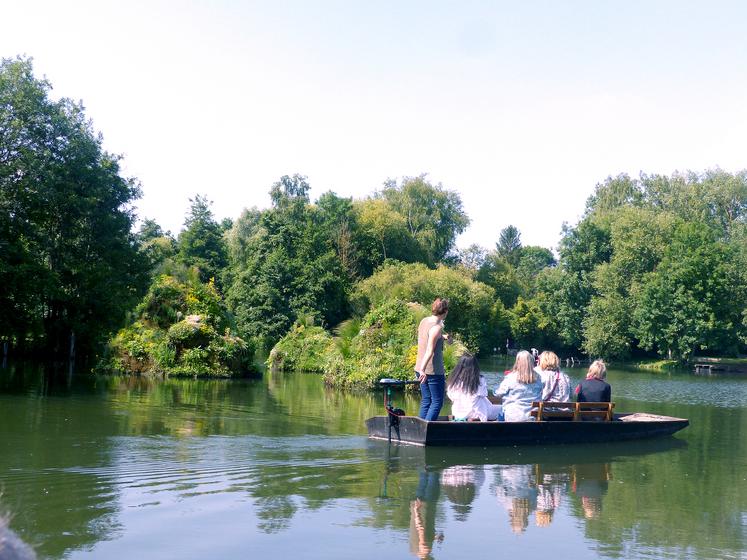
[521,107]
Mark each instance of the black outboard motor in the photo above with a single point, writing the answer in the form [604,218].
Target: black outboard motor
[393,413]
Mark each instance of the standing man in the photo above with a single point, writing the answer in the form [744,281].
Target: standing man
[430,363]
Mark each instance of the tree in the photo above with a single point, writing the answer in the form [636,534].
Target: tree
[694,298]
[433,215]
[338,219]
[533,259]
[155,244]
[201,241]
[472,258]
[607,318]
[285,263]
[509,245]
[500,275]
[531,326]
[383,235]
[70,266]
[474,313]
[613,193]
[564,298]
[289,189]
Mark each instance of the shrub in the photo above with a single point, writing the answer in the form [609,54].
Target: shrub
[190,334]
[177,333]
[385,347]
[302,349]
[164,303]
[474,313]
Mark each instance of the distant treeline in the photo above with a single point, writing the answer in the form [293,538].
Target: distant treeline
[656,265]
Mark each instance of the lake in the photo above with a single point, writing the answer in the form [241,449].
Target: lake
[126,467]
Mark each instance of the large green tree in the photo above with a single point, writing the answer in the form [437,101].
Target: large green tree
[656,265]
[155,244]
[433,215]
[69,265]
[286,263]
[474,312]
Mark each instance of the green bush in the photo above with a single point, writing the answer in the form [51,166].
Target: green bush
[176,333]
[189,334]
[302,349]
[385,347]
[474,312]
[204,300]
[165,302]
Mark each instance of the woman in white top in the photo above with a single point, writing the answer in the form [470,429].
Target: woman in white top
[468,392]
[557,385]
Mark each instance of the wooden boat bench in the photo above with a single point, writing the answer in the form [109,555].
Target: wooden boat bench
[573,411]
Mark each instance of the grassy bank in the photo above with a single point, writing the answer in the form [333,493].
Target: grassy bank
[659,365]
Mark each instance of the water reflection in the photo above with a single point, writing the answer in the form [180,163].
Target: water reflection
[423,515]
[531,486]
[461,484]
[589,484]
[110,466]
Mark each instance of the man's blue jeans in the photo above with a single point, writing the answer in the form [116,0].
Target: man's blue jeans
[432,397]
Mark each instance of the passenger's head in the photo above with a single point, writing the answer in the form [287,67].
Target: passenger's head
[597,370]
[466,375]
[524,367]
[440,307]
[543,518]
[518,515]
[461,496]
[549,361]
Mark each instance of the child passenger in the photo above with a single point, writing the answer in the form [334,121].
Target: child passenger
[468,391]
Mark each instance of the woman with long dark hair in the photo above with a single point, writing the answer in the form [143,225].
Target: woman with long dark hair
[468,392]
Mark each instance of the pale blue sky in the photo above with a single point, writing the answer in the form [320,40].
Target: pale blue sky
[521,107]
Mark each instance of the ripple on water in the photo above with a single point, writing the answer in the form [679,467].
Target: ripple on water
[187,467]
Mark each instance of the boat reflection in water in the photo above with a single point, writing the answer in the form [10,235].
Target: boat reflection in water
[531,485]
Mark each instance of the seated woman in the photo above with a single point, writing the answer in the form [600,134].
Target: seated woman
[468,391]
[519,389]
[557,385]
[594,388]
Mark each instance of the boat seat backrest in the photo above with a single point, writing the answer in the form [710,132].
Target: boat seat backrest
[573,410]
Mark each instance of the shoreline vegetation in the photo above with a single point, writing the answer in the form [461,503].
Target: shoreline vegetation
[659,365]
[180,329]
[654,272]
[382,344]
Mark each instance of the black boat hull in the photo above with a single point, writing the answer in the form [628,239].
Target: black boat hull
[415,431]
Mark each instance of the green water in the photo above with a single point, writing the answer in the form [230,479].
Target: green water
[116,467]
